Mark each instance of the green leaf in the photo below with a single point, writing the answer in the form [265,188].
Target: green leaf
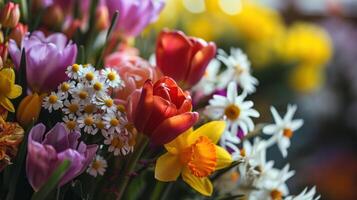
[52,182]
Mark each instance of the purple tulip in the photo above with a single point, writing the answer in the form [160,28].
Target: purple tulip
[46,57]
[134,15]
[47,151]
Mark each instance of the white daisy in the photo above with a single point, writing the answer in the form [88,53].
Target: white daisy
[74,71]
[98,166]
[238,70]
[117,144]
[65,88]
[82,93]
[208,83]
[305,195]
[52,102]
[99,87]
[71,123]
[87,122]
[113,122]
[283,128]
[112,78]
[100,125]
[89,108]
[233,109]
[88,74]
[106,103]
[71,108]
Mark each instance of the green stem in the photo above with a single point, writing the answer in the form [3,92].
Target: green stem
[159,187]
[131,166]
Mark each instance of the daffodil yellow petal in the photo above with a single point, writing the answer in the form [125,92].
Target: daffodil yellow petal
[224,159]
[6,103]
[16,91]
[201,185]
[168,167]
[179,143]
[8,73]
[213,130]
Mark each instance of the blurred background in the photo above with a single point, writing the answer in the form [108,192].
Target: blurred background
[303,52]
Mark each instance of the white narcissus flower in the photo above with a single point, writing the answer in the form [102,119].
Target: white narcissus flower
[98,166]
[233,109]
[283,128]
[305,195]
[238,70]
[209,81]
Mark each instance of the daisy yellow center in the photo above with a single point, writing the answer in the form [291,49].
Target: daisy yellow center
[114,122]
[116,143]
[200,157]
[52,99]
[96,165]
[109,102]
[100,124]
[71,125]
[65,87]
[89,76]
[287,132]
[89,121]
[89,108]
[234,176]
[239,69]
[276,195]
[132,141]
[232,112]
[111,76]
[242,152]
[73,108]
[83,95]
[75,68]
[121,108]
[98,86]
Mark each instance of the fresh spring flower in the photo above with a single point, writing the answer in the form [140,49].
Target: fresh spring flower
[283,129]
[52,102]
[305,195]
[29,109]
[46,59]
[112,78]
[87,122]
[238,70]
[194,155]
[234,110]
[183,58]
[119,144]
[8,88]
[98,166]
[11,135]
[209,81]
[134,15]
[47,151]
[167,110]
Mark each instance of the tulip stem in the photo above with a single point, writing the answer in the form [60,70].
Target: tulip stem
[159,187]
[130,166]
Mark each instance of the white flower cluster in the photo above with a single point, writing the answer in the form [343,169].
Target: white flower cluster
[258,179]
[86,102]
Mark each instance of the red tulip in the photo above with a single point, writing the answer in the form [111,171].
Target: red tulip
[183,58]
[161,111]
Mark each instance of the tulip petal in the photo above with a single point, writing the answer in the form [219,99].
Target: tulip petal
[224,159]
[168,167]
[213,130]
[172,127]
[16,91]
[199,63]
[143,111]
[201,185]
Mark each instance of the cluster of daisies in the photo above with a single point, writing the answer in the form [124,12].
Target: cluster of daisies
[258,179]
[87,106]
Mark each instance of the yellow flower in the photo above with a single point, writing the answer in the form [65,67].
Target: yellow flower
[306,78]
[8,88]
[29,109]
[194,155]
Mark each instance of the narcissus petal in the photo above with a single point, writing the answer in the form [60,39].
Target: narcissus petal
[201,185]
[179,143]
[8,73]
[224,159]
[6,103]
[16,91]
[213,130]
[168,168]
[170,128]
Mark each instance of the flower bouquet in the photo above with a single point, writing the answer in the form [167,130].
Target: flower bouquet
[84,116]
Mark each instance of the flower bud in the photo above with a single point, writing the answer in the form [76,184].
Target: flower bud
[29,109]
[10,15]
[54,16]
[102,18]
[3,51]
[18,33]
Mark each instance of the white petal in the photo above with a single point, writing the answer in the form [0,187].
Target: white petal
[276,115]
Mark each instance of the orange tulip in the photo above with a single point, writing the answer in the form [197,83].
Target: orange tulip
[29,109]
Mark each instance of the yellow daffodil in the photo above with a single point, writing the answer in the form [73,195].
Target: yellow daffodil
[194,155]
[8,88]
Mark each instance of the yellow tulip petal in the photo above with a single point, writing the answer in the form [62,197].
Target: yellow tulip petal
[6,103]
[8,73]
[201,185]
[179,143]
[16,91]
[224,159]
[168,167]
[213,130]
